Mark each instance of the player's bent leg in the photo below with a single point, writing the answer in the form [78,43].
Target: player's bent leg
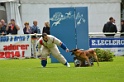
[67,64]
[44,53]
[55,52]
[61,59]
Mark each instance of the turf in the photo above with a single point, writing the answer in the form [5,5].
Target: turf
[29,70]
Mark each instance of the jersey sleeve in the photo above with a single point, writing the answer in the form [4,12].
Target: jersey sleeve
[57,41]
[39,43]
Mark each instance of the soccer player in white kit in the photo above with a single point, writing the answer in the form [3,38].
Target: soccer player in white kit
[48,44]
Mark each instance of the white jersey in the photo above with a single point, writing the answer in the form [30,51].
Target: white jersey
[52,42]
[50,47]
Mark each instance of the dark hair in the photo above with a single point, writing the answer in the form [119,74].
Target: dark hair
[26,23]
[43,35]
[110,18]
[12,20]
[122,20]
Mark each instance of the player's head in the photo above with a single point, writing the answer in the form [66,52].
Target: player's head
[12,21]
[35,23]
[44,36]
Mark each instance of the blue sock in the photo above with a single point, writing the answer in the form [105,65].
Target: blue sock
[43,63]
[66,63]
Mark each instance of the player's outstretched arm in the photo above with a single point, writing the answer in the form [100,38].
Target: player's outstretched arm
[64,47]
[60,43]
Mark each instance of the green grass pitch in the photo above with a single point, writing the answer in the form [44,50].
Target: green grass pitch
[30,70]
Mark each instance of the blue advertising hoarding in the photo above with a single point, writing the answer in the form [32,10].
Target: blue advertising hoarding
[106,42]
[62,26]
[116,45]
[70,25]
[81,21]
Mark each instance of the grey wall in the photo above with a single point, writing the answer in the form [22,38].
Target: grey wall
[99,13]
[3,15]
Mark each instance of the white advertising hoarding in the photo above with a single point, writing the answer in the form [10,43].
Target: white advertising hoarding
[15,46]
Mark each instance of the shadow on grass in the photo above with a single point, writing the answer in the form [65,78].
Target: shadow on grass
[46,67]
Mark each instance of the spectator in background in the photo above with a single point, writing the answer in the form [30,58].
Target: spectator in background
[2,29]
[27,28]
[46,28]
[35,30]
[114,21]
[12,27]
[3,25]
[122,29]
[110,27]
